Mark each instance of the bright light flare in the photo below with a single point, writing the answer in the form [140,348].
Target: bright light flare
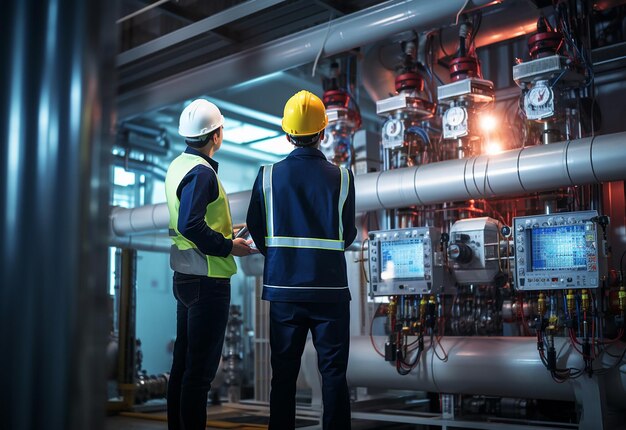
[488,122]
[493,148]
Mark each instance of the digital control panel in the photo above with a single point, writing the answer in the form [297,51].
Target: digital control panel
[557,251]
[405,261]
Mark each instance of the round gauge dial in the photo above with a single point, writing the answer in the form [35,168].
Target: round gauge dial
[392,128]
[539,96]
[455,116]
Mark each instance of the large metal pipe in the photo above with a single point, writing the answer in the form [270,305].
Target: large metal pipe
[57,90]
[515,369]
[491,366]
[156,217]
[340,35]
[510,173]
[150,242]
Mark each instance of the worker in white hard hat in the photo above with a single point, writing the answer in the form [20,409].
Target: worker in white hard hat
[301,217]
[202,259]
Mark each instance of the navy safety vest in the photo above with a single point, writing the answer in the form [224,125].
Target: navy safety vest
[272,241]
[303,204]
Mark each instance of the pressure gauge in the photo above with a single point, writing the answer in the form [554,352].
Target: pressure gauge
[393,133]
[455,123]
[539,102]
[455,116]
[393,128]
[539,96]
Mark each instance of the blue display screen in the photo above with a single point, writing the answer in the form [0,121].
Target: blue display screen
[403,259]
[558,248]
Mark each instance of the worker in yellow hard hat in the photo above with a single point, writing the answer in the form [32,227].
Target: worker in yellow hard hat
[301,216]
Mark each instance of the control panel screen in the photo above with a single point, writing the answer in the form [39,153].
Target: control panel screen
[558,251]
[402,259]
[558,248]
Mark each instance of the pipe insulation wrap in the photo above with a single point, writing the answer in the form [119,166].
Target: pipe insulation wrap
[508,174]
[492,366]
[540,164]
[362,186]
[579,164]
[436,181]
[140,219]
[608,157]
[501,174]
[397,179]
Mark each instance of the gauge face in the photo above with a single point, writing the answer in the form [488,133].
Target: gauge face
[455,116]
[539,96]
[393,128]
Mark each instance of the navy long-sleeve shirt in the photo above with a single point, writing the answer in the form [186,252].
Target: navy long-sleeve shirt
[306,190]
[197,189]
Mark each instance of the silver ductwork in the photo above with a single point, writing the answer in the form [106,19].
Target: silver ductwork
[514,369]
[340,35]
[510,173]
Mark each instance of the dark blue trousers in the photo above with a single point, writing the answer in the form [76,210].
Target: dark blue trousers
[330,328]
[201,317]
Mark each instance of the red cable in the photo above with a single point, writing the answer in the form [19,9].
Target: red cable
[573,342]
[372,338]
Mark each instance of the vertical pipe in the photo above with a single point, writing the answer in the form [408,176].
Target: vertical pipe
[126,262]
[55,109]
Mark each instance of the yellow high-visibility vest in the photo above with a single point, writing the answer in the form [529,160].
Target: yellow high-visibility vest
[185,257]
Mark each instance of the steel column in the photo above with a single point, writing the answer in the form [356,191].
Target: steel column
[56,94]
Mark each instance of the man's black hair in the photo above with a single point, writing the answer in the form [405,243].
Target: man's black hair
[304,141]
[200,142]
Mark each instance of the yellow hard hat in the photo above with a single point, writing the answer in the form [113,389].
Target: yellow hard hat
[304,115]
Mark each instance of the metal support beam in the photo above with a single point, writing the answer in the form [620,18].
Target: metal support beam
[208,24]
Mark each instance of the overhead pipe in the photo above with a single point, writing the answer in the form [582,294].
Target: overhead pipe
[503,22]
[510,173]
[339,35]
[143,166]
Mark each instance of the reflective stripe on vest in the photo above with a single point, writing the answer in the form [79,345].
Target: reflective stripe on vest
[272,241]
[269,204]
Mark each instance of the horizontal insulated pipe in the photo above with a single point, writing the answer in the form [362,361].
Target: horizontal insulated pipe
[340,35]
[508,174]
[491,366]
[156,217]
[151,242]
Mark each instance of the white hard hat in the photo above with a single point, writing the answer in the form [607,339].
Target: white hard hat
[200,117]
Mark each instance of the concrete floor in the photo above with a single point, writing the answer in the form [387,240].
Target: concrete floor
[217,416]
